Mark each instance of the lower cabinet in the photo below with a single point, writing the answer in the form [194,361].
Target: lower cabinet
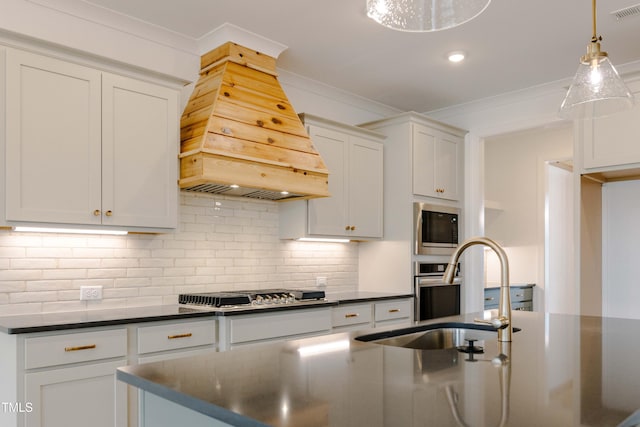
[521,298]
[163,341]
[247,329]
[393,312]
[354,316]
[69,378]
[351,317]
[76,396]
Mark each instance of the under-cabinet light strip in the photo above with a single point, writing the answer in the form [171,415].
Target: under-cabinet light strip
[70,230]
[318,239]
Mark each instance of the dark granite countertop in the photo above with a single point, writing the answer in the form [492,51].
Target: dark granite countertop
[42,322]
[363,296]
[514,285]
[28,323]
[560,370]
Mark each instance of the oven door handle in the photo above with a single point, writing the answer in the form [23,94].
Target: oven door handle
[435,281]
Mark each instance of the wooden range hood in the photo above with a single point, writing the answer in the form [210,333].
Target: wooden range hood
[240,135]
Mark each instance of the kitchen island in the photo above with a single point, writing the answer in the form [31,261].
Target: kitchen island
[560,370]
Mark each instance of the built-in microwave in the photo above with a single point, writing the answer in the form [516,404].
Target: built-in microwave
[435,229]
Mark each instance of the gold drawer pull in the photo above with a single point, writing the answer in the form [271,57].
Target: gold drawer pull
[489,299]
[518,295]
[173,337]
[350,315]
[81,347]
[394,310]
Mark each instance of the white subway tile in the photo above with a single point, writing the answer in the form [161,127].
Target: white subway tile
[222,243]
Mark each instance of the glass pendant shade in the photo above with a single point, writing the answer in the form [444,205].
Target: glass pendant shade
[424,15]
[597,90]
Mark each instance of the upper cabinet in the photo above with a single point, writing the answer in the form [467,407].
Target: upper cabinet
[424,155]
[87,147]
[613,142]
[354,158]
[436,162]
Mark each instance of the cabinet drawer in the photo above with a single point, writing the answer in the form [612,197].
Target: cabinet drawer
[393,310]
[74,347]
[176,335]
[522,306]
[492,296]
[351,314]
[279,325]
[521,294]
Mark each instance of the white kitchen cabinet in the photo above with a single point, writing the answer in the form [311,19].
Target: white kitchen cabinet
[168,340]
[612,142]
[76,396]
[87,147]
[351,317]
[374,314]
[65,379]
[354,210]
[436,163]
[393,312]
[264,327]
[414,146]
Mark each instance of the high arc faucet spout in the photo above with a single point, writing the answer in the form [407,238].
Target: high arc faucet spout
[503,321]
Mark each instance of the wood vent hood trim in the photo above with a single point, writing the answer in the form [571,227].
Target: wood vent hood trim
[239,129]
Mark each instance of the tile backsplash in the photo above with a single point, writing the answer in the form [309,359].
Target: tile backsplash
[222,243]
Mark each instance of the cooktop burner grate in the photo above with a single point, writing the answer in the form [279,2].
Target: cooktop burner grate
[251,297]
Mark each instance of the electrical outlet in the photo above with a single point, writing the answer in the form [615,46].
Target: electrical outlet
[321,282]
[90,293]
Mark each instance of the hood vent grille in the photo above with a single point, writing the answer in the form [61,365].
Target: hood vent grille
[242,192]
[240,135]
[626,12]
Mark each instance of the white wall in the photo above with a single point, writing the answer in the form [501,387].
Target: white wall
[223,243]
[560,292]
[620,249]
[514,177]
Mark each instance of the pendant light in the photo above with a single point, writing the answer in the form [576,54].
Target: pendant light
[424,15]
[597,90]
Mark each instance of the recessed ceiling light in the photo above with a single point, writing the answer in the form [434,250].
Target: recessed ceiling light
[456,56]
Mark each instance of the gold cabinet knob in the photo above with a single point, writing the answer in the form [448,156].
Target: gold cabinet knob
[96,212]
[108,213]
[347,228]
[352,228]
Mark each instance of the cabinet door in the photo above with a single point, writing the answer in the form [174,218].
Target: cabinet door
[435,163]
[446,167]
[613,141]
[80,396]
[139,151]
[328,215]
[365,188]
[52,140]
[424,174]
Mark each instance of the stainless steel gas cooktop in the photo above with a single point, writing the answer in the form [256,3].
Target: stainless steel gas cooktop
[265,297]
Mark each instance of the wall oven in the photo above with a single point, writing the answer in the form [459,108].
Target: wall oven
[435,229]
[433,297]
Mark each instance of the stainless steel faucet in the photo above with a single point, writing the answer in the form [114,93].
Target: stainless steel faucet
[503,322]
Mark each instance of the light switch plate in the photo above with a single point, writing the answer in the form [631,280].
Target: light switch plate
[321,281]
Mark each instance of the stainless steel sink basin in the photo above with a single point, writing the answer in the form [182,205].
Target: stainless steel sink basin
[438,336]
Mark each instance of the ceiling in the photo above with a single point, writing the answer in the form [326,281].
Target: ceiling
[512,45]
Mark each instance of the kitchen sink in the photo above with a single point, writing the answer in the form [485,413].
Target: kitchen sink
[439,336]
